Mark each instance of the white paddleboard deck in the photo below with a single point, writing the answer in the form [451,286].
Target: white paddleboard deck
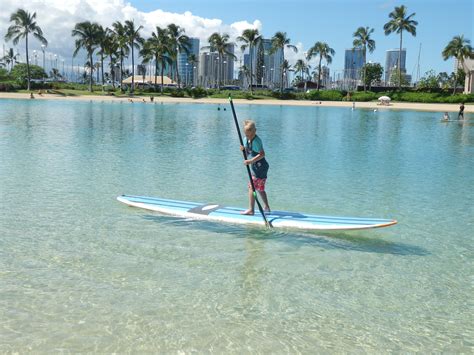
[278,219]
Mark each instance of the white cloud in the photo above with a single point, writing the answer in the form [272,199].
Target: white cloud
[58,17]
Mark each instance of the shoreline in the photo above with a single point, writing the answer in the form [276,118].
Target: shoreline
[139,99]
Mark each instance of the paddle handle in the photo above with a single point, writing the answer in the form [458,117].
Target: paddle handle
[267,223]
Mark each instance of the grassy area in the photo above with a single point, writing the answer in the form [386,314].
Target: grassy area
[73,89]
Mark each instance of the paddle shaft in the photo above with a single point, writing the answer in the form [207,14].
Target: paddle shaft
[267,223]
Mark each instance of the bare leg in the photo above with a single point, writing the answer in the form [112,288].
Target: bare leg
[251,209]
[263,195]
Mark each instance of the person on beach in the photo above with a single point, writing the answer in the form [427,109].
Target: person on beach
[32,96]
[461,112]
[259,166]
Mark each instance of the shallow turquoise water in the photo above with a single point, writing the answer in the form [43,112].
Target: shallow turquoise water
[81,272]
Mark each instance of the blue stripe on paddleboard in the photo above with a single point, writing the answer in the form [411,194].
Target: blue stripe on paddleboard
[305,218]
[302,216]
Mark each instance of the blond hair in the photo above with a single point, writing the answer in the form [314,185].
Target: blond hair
[250,125]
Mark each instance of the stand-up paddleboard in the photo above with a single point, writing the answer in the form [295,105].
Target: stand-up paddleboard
[278,219]
[442,120]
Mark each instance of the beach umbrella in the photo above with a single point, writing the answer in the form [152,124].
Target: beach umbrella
[384,98]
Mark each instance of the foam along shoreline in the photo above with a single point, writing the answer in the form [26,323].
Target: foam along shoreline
[146,100]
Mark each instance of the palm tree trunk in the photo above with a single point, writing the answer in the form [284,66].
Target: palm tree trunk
[133,71]
[251,70]
[112,71]
[156,69]
[365,67]
[27,62]
[219,64]
[319,70]
[92,69]
[455,82]
[102,67]
[121,71]
[400,63]
[162,73]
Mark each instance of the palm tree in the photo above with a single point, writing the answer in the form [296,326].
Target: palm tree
[10,58]
[120,35]
[110,49]
[24,24]
[459,48]
[134,41]
[400,22]
[325,52]
[280,41]
[301,67]
[178,43]
[102,43]
[250,38]
[220,44]
[157,47]
[193,60]
[86,33]
[285,67]
[363,41]
[55,74]
[245,72]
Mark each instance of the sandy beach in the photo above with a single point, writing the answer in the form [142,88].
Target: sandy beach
[165,99]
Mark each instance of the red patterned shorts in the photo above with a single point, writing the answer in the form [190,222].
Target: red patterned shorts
[258,183]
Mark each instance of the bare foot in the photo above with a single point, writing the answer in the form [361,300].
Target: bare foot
[247,213]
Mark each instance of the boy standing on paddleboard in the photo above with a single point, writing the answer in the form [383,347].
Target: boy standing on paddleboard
[259,165]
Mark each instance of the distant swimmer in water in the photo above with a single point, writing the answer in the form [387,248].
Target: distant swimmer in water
[446,116]
[461,112]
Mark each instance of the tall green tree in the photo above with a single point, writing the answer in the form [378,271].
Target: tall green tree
[363,41]
[220,44]
[325,52]
[193,61]
[86,33]
[178,43]
[400,22]
[24,25]
[102,43]
[121,39]
[302,67]
[372,74]
[260,69]
[459,48]
[250,38]
[157,47]
[10,58]
[285,67]
[135,40]
[280,41]
[110,49]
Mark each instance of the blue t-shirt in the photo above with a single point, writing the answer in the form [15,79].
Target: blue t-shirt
[256,147]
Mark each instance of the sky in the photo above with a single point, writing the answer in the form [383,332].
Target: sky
[304,21]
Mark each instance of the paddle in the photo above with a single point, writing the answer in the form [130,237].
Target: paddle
[267,223]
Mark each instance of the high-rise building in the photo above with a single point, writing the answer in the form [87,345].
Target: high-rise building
[325,77]
[391,62]
[187,70]
[271,65]
[214,70]
[353,63]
